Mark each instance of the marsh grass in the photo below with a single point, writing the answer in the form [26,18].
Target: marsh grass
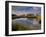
[20,27]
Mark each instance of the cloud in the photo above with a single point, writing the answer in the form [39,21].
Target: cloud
[25,9]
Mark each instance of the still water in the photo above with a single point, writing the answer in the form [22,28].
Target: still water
[25,21]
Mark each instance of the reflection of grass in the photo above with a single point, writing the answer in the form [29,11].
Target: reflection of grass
[25,27]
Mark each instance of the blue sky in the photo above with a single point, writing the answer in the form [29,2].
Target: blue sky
[25,9]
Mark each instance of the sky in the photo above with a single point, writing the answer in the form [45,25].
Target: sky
[26,10]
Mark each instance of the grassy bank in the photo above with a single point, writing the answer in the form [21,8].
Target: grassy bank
[21,27]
